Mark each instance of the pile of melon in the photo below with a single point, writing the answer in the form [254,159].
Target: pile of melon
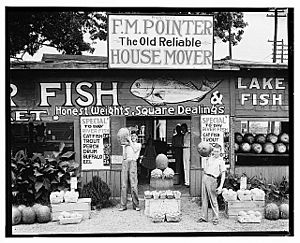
[29,215]
[249,216]
[261,144]
[273,212]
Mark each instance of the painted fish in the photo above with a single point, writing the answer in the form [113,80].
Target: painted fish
[168,91]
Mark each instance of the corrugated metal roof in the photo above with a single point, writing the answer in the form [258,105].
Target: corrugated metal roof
[57,61]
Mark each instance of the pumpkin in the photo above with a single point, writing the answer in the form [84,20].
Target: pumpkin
[16,215]
[245,147]
[268,148]
[43,214]
[204,149]
[161,161]
[249,138]
[256,148]
[122,135]
[28,215]
[272,211]
[260,138]
[283,137]
[272,138]
[280,148]
[238,138]
[284,211]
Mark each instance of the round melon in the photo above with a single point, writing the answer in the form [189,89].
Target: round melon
[122,135]
[245,147]
[35,206]
[161,161]
[256,148]
[43,214]
[20,207]
[283,137]
[16,215]
[280,148]
[260,138]
[238,138]
[249,138]
[284,211]
[236,147]
[272,138]
[28,215]
[204,149]
[272,211]
[268,148]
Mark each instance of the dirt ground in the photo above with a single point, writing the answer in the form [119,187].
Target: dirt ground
[111,221]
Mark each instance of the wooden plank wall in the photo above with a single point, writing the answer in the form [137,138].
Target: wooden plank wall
[111,177]
[271,173]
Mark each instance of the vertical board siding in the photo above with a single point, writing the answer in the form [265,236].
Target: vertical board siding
[270,173]
[195,187]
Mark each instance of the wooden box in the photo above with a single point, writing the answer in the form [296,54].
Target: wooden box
[161,184]
[232,208]
[162,206]
[82,206]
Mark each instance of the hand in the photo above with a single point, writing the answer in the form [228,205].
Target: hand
[219,190]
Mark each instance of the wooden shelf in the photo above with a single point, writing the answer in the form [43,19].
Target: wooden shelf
[259,155]
[251,159]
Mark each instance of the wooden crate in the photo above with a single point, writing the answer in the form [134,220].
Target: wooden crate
[82,206]
[162,206]
[161,184]
[232,208]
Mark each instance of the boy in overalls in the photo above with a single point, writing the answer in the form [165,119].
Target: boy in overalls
[213,167]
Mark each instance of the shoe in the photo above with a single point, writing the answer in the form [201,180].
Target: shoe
[122,209]
[215,222]
[201,220]
[137,209]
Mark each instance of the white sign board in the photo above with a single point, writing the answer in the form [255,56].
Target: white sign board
[95,144]
[213,129]
[158,41]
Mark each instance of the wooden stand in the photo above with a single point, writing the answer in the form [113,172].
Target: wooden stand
[161,184]
[232,208]
[82,206]
[162,206]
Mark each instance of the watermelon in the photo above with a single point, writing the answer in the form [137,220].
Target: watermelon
[161,161]
[43,214]
[238,138]
[283,137]
[16,215]
[28,215]
[280,148]
[272,211]
[249,138]
[272,138]
[256,148]
[260,138]
[204,149]
[245,147]
[122,135]
[284,211]
[268,148]
[236,147]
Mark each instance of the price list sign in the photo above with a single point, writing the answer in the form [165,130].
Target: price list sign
[95,142]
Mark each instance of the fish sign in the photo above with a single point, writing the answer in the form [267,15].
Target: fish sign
[169,91]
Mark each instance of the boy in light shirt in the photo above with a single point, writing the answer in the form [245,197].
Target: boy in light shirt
[213,167]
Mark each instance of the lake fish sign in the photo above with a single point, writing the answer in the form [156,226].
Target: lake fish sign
[168,91]
[157,41]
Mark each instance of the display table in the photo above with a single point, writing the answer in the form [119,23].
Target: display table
[82,206]
[162,206]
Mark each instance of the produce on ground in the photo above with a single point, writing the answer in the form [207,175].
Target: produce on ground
[16,216]
[249,216]
[28,215]
[284,211]
[272,211]
[43,214]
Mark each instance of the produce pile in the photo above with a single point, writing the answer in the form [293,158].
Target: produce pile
[166,173]
[261,143]
[162,194]
[69,218]
[62,196]
[273,212]
[243,195]
[29,215]
[249,216]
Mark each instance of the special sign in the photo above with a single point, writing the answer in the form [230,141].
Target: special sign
[95,145]
[156,41]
